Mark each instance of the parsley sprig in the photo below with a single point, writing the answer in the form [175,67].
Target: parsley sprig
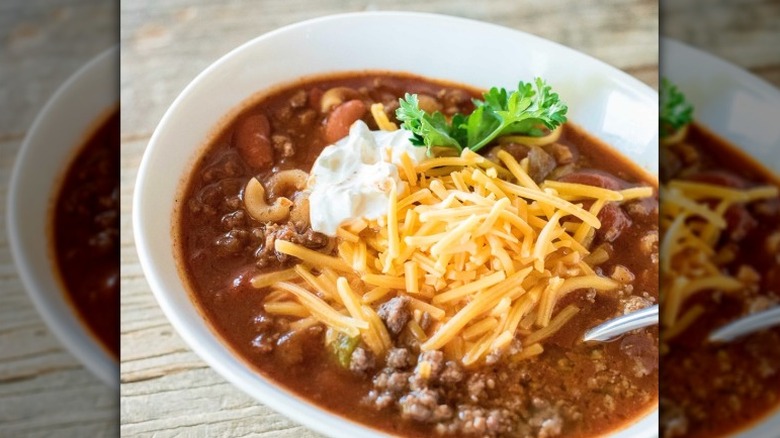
[525,111]
[676,112]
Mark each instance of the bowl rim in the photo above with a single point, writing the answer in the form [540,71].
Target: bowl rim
[67,326]
[739,73]
[288,403]
[674,47]
[739,77]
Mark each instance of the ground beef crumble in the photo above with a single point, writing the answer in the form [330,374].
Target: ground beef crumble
[395,314]
[266,254]
[504,400]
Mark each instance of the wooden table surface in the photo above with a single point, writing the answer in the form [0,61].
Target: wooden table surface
[745,33]
[44,390]
[166,389]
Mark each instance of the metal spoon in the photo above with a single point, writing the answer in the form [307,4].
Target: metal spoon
[746,325]
[616,327]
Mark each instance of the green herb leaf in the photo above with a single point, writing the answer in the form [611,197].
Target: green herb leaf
[526,111]
[676,112]
[430,130]
[342,347]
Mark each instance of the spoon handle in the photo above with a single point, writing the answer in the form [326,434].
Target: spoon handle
[746,325]
[615,327]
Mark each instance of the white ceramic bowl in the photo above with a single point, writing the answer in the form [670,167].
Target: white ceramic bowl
[733,103]
[51,143]
[608,103]
[739,107]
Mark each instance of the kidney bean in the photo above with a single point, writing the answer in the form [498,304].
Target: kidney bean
[613,221]
[593,177]
[341,118]
[252,138]
[719,178]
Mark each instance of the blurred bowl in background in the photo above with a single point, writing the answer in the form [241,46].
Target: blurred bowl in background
[739,107]
[63,125]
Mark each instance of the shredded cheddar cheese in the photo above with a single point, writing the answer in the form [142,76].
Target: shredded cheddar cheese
[478,247]
[384,123]
[692,222]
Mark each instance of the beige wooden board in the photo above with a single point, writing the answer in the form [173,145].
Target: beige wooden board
[166,389]
[746,32]
[44,390]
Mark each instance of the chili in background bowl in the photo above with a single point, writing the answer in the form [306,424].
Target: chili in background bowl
[73,114]
[741,109]
[606,102]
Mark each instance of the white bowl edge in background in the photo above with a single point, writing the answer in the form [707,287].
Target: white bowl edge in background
[59,129]
[722,94]
[730,101]
[476,53]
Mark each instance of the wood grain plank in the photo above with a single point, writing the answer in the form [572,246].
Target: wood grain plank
[44,390]
[165,46]
[745,32]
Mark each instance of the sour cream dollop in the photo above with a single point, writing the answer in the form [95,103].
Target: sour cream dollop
[352,178]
